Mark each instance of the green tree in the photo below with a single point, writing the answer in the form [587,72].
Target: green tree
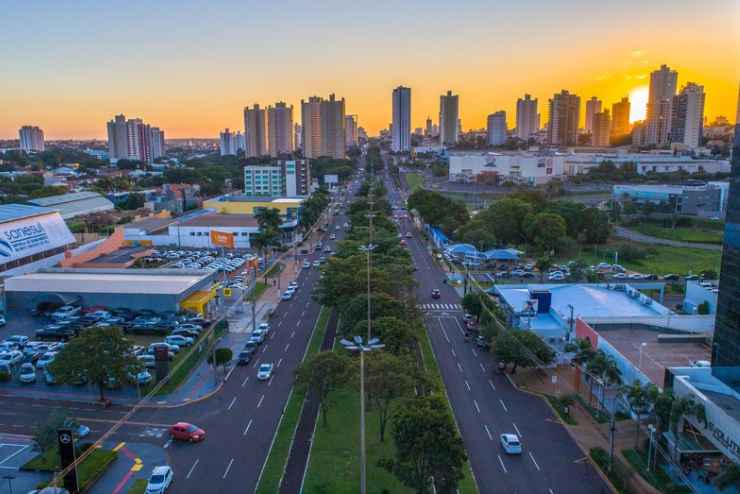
[545,230]
[472,305]
[478,234]
[638,398]
[427,445]
[522,349]
[703,308]
[45,433]
[97,355]
[388,379]
[505,218]
[223,356]
[322,374]
[543,264]
[396,334]
[603,368]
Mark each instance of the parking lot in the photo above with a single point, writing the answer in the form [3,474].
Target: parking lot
[16,451]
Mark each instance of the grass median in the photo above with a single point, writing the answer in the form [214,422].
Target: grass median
[138,487]
[88,471]
[278,457]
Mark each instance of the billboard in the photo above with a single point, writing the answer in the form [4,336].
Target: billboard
[30,236]
[222,239]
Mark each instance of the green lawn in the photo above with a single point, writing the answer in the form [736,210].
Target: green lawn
[697,234]
[657,477]
[138,487]
[661,259]
[415,180]
[276,461]
[259,289]
[88,471]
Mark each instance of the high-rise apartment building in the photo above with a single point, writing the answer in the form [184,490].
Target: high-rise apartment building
[255,132]
[496,129]
[449,114]
[401,128]
[351,136]
[226,143]
[323,127]
[264,181]
[593,106]
[726,342]
[526,117]
[601,129]
[660,99]
[280,129]
[296,177]
[297,136]
[134,140]
[564,111]
[31,139]
[687,116]
[429,127]
[621,117]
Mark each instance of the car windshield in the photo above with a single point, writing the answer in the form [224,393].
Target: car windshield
[264,367]
[513,442]
[157,479]
[191,428]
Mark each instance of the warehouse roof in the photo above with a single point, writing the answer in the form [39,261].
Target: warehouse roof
[170,282]
[13,212]
[76,203]
[218,219]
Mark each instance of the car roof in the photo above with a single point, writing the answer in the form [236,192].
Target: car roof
[183,424]
[160,470]
[510,437]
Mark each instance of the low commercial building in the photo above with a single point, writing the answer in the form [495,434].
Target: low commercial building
[708,200]
[75,204]
[700,293]
[154,289]
[30,236]
[644,163]
[498,168]
[289,207]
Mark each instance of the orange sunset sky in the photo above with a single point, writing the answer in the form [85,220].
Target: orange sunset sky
[191,66]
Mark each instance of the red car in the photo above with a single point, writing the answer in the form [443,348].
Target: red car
[435,293]
[183,431]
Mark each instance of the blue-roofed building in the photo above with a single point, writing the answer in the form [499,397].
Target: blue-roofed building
[29,234]
[468,254]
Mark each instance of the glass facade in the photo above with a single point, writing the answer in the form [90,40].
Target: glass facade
[263,181]
[726,343]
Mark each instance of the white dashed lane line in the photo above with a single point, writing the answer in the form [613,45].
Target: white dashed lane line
[231,405]
[192,469]
[228,467]
[488,431]
[533,461]
[492,385]
[476,406]
[467,384]
[518,433]
[501,462]
[502,405]
[247,428]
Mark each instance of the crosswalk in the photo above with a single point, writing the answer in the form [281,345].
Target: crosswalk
[428,307]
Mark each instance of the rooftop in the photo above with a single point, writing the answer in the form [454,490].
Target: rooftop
[656,357]
[243,198]
[75,204]
[123,281]
[218,219]
[152,224]
[13,212]
[63,198]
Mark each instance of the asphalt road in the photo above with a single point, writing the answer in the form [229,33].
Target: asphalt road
[486,404]
[240,420]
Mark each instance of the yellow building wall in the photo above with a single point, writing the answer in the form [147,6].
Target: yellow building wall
[198,302]
[246,207]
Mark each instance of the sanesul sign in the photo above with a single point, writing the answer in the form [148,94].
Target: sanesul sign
[23,238]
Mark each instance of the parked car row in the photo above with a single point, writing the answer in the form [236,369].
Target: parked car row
[204,259]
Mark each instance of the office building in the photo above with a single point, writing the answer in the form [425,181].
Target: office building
[255,131]
[726,343]
[351,136]
[593,106]
[279,129]
[621,117]
[323,127]
[687,116]
[263,181]
[429,127]
[527,123]
[496,128]
[601,128]
[449,115]
[497,168]
[296,177]
[135,140]
[564,111]
[706,200]
[31,139]
[660,98]
[401,126]
[226,143]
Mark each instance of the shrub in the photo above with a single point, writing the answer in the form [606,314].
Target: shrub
[4,376]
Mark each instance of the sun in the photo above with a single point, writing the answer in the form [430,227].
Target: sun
[638,103]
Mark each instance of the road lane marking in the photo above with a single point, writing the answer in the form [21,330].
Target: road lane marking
[223,477]
[279,362]
[292,335]
[482,367]
[286,347]
[247,428]
[453,352]
[259,404]
[257,363]
[444,332]
[303,314]
[167,444]
[264,349]
[502,404]
[246,380]
[279,323]
[459,367]
[475,354]
[119,446]
[492,386]
[476,405]
[307,305]
[467,384]
[285,315]
[517,430]
[550,491]
[232,403]
[488,431]
[501,462]
[533,461]
[190,472]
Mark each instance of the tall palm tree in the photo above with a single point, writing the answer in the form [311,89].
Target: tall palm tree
[604,367]
[638,398]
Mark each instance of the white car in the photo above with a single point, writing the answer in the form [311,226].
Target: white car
[45,359]
[264,372]
[160,480]
[170,347]
[287,295]
[27,373]
[11,358]
[293,285]
[333,236]
[264,327]
[511,444]
[18,339]
[178,340]
[306,264]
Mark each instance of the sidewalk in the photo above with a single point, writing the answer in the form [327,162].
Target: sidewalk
[587,433]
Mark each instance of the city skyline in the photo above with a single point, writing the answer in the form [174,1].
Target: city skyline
[192,89]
